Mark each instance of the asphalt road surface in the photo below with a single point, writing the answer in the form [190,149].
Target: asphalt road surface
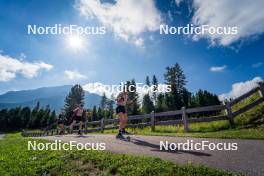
[247,159]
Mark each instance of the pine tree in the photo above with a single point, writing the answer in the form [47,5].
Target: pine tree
[103,102]
[4,119]
[204,98]
[52,118]
[175,77]
[100,113]
[74,99]
[147,104]
[110,107]
[44,120]
[261,83]
[147,81]
[155,88]
[186,98]
[15,118]
[94,114]
[25,116]
[161,103]
[133,108]
[37,106]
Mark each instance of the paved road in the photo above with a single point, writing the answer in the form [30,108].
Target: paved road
[248,159]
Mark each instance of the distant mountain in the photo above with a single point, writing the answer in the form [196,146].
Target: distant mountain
[52,96]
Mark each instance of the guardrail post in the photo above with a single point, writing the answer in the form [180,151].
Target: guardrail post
[184,119]
[102,125]
[152,120]
[230,114]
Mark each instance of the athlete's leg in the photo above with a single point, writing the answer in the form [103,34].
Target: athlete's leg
[121,121]
[125,124]
[72,124]
[61,126]
[125,119]
[81,125]
[121,125]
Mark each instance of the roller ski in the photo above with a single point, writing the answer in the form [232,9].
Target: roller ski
[120,136]
[80,132]
[123,136]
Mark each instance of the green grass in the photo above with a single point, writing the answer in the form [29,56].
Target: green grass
[16,160]
[194,127]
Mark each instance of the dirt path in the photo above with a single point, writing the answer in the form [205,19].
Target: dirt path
[248,159]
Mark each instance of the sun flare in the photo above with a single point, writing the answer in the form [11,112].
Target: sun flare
[75,42]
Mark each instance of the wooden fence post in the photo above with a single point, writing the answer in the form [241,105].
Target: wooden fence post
[230,114]
[102,125]
[184,119]
[152,120]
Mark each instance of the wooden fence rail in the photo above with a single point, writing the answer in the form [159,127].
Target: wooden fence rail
[151,119]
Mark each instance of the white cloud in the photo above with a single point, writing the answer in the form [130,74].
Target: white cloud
[74,75]
[22,56]
[218,68]
[139,42]
[248,16]
[257,65]
[240,88]
[6,76]
[10,67]
[127,18]
[178,2]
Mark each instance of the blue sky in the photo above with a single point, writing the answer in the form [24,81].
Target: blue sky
[213,63]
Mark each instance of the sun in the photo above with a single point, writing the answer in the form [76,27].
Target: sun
[75,42]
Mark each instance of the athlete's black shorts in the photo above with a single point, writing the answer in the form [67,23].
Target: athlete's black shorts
[79,118]
[120,108]
[60,121]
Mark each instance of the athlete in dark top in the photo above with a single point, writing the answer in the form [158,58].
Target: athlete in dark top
[121,102]
[61,121]
[78,115]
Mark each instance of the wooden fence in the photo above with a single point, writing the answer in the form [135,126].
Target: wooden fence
[183,116]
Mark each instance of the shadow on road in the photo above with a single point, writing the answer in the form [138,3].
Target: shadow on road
[157,148]
[76,136]
[81,136]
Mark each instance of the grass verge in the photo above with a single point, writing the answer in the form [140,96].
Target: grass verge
[15,159]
